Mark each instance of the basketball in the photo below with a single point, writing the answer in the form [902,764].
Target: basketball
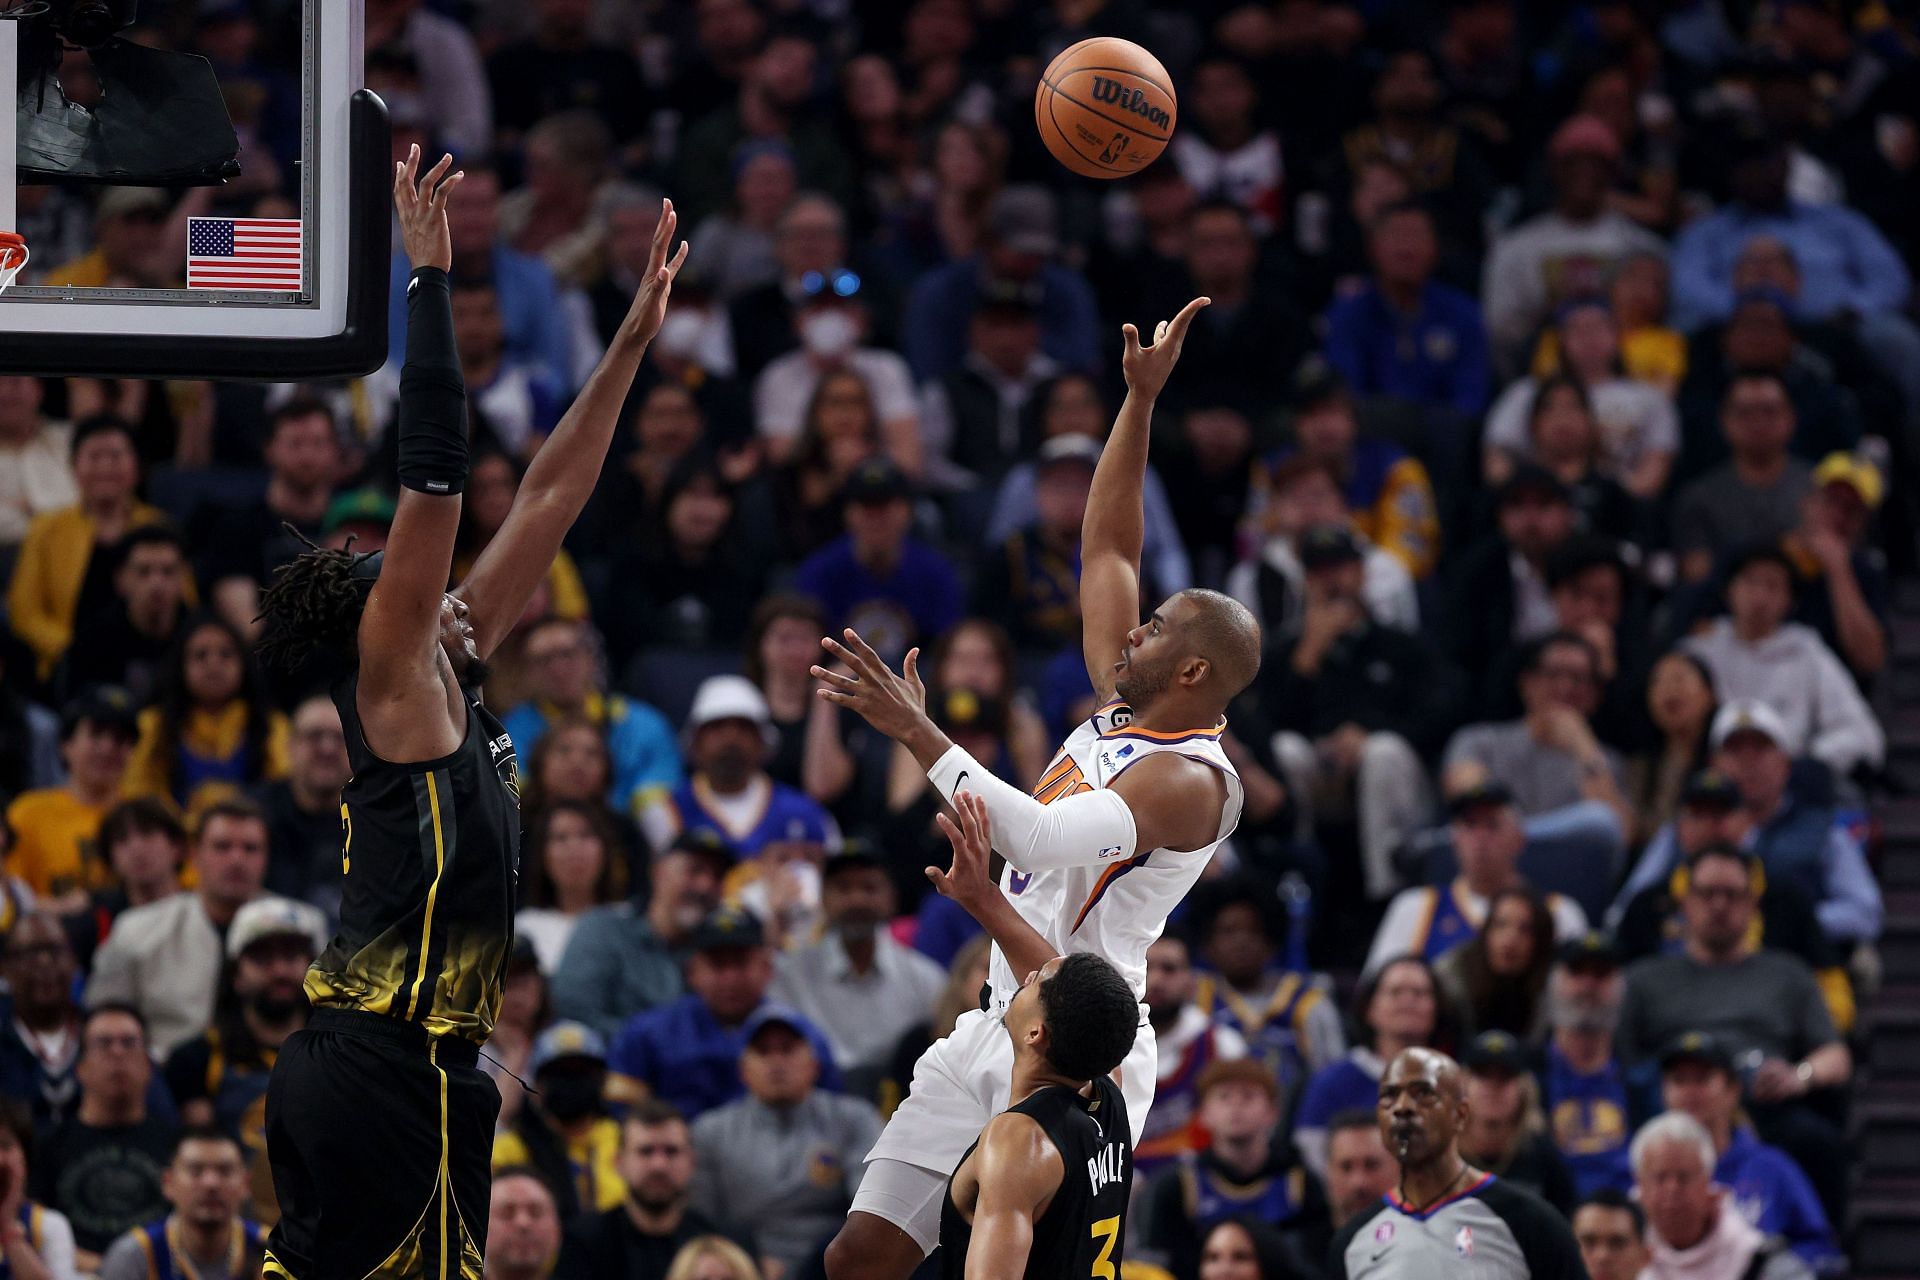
[1105,108]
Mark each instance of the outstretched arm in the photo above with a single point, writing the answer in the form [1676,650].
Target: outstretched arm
[400,629]
[567,467]
[1019,1170]
[1115,527]
[970,883]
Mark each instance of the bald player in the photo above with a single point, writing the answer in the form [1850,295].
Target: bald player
[1446,1217]
[1120,826]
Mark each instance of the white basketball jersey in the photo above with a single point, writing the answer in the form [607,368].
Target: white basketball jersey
[1116,908]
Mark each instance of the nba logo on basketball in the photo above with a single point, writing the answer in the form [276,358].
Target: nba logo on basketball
[1463,1242]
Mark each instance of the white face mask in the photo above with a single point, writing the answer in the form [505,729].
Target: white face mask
[682,333]
[830,332]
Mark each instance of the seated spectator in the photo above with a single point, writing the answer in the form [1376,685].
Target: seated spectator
[1638,428]
[666,425]
[1550,757]
[1506,1130]
[213,732]
[1680,704]
[782,644]
[563,1129]
[62,570]
[303,808]
[1498,587]
[1747,799]
[1568,251]
[131,245]
[523,1239]
[1227,153]
[1496,980]
[452,83]
[1209,462]
[535,327]
[515,402]
[36,466]
[1650,350]
[690,583]
[976,656]
[1387,490]
[164,959]
[1359,1170]
[839,435]
[977,416]
[53,828]
[1286,1019]
[1563,437]
[809,239]
[560,213]
[1396,1007]
[687,1051]
[713,1256]
[1403,334]
[1693,1227]
[1582,1085]
[1357,703]
[895,590]
[1021,242]
[128,642]
[102,1166]
[1611,1230]
[240,547]
[1304,494]
[565,680]
[1074,405]
[623,959]
[735,250]
[555,67]
[729,735]
[1188,1042]
[1431,920]
[1756,655]
[1756,495]
[42,1041]
[834,324]
[43,1245]
[1030,584]
[1840,578]
[573,765]
[1763,1004]
[572,863]
[219,1078]
[1247,1247]
[1245,1170]
[856,984]
[145,847]
[1698,1078]
[205,1182]
[788,1156]
[493,482]
[640,1238]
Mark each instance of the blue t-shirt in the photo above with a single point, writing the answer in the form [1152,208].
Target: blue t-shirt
[913,605]
[1437,355]
[646,757]
[1774,1195]
[680,1053]
[1590,1121]
[789,815]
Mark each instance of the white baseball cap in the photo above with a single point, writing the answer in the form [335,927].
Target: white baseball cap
[1744,714]
[275,918]
[729,698]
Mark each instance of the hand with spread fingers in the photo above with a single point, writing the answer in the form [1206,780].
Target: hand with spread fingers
[970,880]
[422,208]
[1147,368]
[896,705]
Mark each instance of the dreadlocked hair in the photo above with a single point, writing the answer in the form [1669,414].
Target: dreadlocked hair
[311,610]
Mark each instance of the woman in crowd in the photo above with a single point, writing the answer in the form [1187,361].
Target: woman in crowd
[1495,980]
[213,730]
[576,864]
[712,1258]
[841,430]
[690,583]
[1244,1248]
[1680,707]
[573,766]
[493,479]
[1564,437]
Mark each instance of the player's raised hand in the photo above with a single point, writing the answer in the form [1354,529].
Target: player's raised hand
[1147,368]
[896,705]
[970,881]
[649,308]
[421,204]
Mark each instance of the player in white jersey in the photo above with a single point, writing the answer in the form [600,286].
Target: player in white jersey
[1120,827]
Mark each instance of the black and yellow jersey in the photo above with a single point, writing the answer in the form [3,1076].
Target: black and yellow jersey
[430,853]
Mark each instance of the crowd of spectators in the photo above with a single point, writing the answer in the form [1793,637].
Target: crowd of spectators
[1558,359]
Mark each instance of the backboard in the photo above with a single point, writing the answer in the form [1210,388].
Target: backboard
[203,187]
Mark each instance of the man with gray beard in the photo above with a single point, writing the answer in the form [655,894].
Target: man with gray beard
[1582,1085]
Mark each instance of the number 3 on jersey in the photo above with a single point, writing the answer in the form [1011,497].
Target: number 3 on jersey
[346,842]
[1107,1231]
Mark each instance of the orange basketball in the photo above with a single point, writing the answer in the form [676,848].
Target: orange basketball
[1105,108]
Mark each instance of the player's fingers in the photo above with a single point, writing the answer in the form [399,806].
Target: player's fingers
[438,172]
[911,669]
[1177,328]
[672,269]
[833,678]
[1131,336]
[411,164]
[866,652]
[443,193]
[852,659]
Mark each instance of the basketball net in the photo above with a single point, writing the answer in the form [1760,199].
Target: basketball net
[13,258]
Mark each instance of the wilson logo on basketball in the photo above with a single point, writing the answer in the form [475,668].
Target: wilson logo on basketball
[1130,100]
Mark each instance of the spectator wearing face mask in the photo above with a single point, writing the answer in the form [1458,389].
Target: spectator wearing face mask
[563,1128]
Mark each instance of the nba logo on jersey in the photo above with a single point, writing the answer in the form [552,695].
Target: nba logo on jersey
[1463,1242]
[1383,1232]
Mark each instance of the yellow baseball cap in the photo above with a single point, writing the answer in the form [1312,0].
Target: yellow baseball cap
[1863,476]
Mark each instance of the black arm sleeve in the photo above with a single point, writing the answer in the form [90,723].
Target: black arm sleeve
[1545,1239]
[433,397]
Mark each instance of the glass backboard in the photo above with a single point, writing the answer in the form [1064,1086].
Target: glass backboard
[203,188]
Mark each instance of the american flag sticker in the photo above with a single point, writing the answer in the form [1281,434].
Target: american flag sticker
[245,253]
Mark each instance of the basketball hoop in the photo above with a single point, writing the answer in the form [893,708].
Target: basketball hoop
[22,8]
[13,246]
[13,257]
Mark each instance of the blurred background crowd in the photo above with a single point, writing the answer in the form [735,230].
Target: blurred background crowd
[1560,361]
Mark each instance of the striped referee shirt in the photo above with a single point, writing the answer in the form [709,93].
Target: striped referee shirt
[1488,1231]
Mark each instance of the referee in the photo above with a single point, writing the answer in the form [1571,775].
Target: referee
[1446,1218]
[379,1121]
